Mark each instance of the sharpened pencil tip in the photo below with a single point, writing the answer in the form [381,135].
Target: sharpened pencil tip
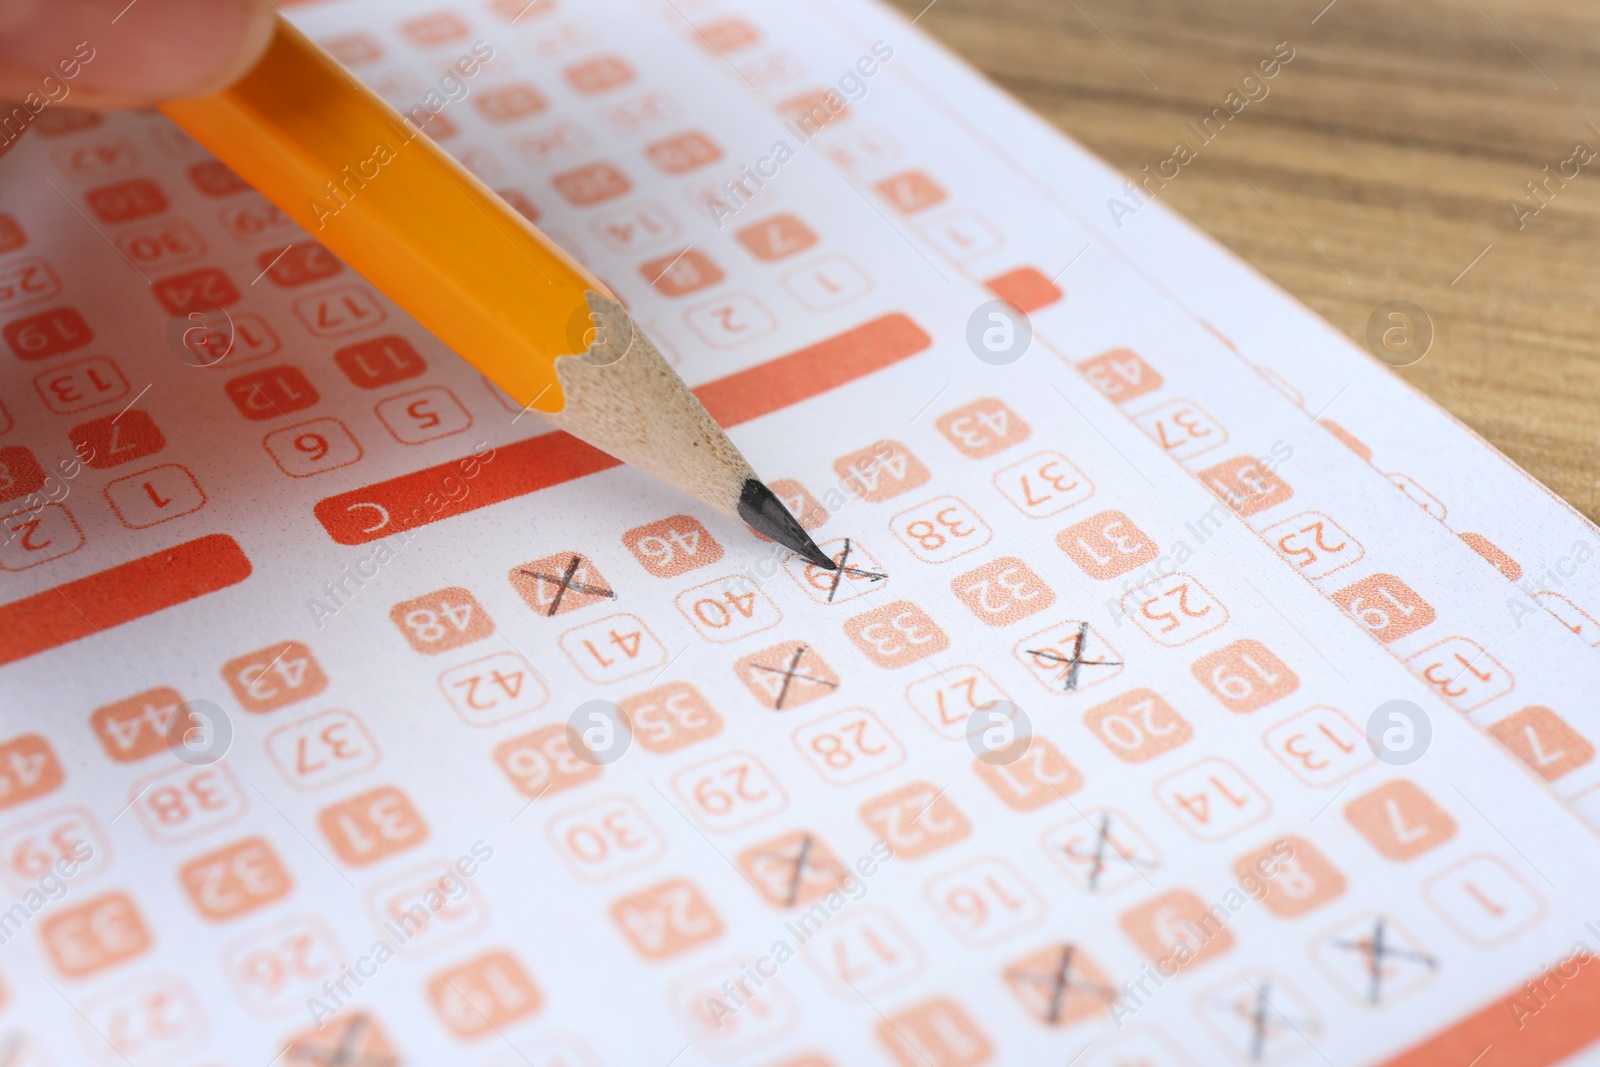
[761,509]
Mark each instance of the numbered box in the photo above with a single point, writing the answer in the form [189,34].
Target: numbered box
[786,675]
[1003,592]
[1292,874]
[430,905]
[1400,820]
[1314,543]
[152,1020]
[236,879]
[372,826]
[494,688]
[911,191]
[275,676]
[1121,375]
[706,1011]
[777,237]
[81,384]
[141,725]
[67,841]
[1463,672]
[38,536]
[312,447]
[1174,609]
[598,75]
[508,103]
[256,220]
[632,227]
[101,157]
[1102,850]
[275,969]
[934,1033]
[686,272]
[1320,746]
[1060,984]
[728,609]
[1107,545]
[827,283]
[125,201]
[985,901]
[1212,799]
[916,819]
[1545,741]
[202,289]
[483,995]
[947,700]
[865,953]
[349,1034]
[849,746]
[1068,657]
[1183,428]
[214,336]
[613,648]
[960,233]
[160,246]
[144,499]
[982,428]
[897,634]
[856,572]
[117,439]
[730,791]
[563,582]
[213,178]
[379,361]
[1385,606]
[731,320]
[808,511]
[1044,485]
[1373,959]
[1138,725]
[1177,930]
[881,472]
[606,838]
[669,717]
[94,935]
[672,546]
[1484,900]
[272,393]
[28,769]
[339,311]
[423,415]
[325,748]
[543,762]
[683,152]
[1246,484]
[442,620]
[46,334]
[1038,777]
[941,529]
[184,802]
[1245,676]
[794,869]
[666,919]
[299,264]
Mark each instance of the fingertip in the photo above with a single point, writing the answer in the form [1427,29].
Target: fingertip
[112,53]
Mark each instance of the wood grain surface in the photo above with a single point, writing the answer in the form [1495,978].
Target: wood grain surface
[1384,163]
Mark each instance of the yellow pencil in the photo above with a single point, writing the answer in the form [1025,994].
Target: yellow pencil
[384,198]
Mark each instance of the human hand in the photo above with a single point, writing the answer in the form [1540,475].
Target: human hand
[116,53]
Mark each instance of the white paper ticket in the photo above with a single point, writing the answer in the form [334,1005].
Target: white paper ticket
[1190,692]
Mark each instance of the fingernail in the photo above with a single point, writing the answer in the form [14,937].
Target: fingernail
[113,53]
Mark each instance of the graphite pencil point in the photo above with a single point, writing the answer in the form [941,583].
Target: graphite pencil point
[764,513]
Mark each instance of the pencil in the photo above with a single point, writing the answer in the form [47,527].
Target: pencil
[398,209]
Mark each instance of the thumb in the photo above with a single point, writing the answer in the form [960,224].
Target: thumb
[113,53]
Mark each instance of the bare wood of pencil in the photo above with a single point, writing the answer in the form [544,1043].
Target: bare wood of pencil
[624,398]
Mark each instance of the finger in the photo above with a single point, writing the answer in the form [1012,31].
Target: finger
[113,53]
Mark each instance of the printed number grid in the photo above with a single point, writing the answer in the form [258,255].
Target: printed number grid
[357,807]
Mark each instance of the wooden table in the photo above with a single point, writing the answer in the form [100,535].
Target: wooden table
[1390,150]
